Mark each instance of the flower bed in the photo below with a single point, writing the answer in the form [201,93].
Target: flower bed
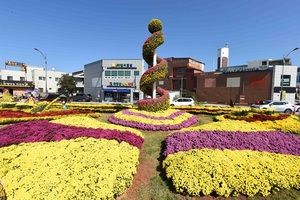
[232,157]
[64,160]
[162,120]
[284,122]
[14,116]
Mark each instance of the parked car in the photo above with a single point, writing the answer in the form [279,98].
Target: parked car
[183,102]
[278,106]
[81,97]
[50,97]
[297,107]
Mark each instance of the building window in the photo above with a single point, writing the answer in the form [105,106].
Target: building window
[233,82]
[41,78]
[210,82]
[57,79]
[107,73]
[285,80]
[22,78]
[127,73]
[114,73]
[136,73]
[181,70]
[120,73]
[9,78]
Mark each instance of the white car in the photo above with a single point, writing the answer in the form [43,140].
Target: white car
[183,102]
[278,106]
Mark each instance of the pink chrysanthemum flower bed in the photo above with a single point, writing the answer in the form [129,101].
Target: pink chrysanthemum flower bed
[157,121]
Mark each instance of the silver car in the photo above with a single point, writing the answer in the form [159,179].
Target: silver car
[278,106]
[183,102]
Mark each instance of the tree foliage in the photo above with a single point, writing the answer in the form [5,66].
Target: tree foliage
[67,84]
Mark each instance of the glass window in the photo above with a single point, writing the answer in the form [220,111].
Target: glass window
[120,73]
[286,80]
[22,78]
[114,73]
[107,73]
[9,78]
[127,73]
[136,73]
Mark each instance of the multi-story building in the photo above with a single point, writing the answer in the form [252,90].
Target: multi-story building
[181,74]
[246,84]
[79,78]
[114,80]
[20,79]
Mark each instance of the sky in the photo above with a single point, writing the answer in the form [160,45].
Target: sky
[72,33]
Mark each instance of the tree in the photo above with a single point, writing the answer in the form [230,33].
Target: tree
[67,84]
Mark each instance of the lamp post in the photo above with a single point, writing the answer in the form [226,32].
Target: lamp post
[45,58]
[282,73]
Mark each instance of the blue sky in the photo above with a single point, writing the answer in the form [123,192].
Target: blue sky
[72,33]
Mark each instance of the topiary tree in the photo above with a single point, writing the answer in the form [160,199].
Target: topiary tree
[154,73]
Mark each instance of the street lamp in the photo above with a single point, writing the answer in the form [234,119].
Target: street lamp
[282,73]
[45,58]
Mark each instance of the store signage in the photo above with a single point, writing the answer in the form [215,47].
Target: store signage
[12,63]
[121,84]
[244,69]
[15,83]
[126,65]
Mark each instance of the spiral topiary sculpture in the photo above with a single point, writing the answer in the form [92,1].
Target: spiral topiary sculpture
[154,73]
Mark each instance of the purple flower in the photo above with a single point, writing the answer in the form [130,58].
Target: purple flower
[270,141]
[43,130]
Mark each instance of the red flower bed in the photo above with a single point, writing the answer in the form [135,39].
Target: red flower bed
[259,117]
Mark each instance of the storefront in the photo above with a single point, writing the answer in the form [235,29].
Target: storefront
[15,88]
[116,95]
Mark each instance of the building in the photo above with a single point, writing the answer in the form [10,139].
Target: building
[79,78]
[20,78]
[246,84]
[181,74]
[114,80]
[223,57]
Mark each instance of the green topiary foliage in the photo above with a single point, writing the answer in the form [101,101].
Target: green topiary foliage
[154,73]
[154,26]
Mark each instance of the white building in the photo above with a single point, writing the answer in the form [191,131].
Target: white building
[114,80]
[17,80]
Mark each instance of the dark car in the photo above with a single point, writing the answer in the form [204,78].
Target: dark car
[81,97]
[50,97]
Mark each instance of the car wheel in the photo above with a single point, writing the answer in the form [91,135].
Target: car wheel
[172,104]
[298,110]
[288,111]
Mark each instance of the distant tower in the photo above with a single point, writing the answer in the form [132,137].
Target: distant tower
[223,59]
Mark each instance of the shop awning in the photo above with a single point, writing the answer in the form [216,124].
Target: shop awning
[115,90]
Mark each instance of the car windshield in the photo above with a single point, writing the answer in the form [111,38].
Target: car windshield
[266,102]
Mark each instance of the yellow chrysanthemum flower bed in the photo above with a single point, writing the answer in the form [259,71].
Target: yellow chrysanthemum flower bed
[88,122]
[288,125]
[229,172]
[229,125]
[291,124]
[83,168]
